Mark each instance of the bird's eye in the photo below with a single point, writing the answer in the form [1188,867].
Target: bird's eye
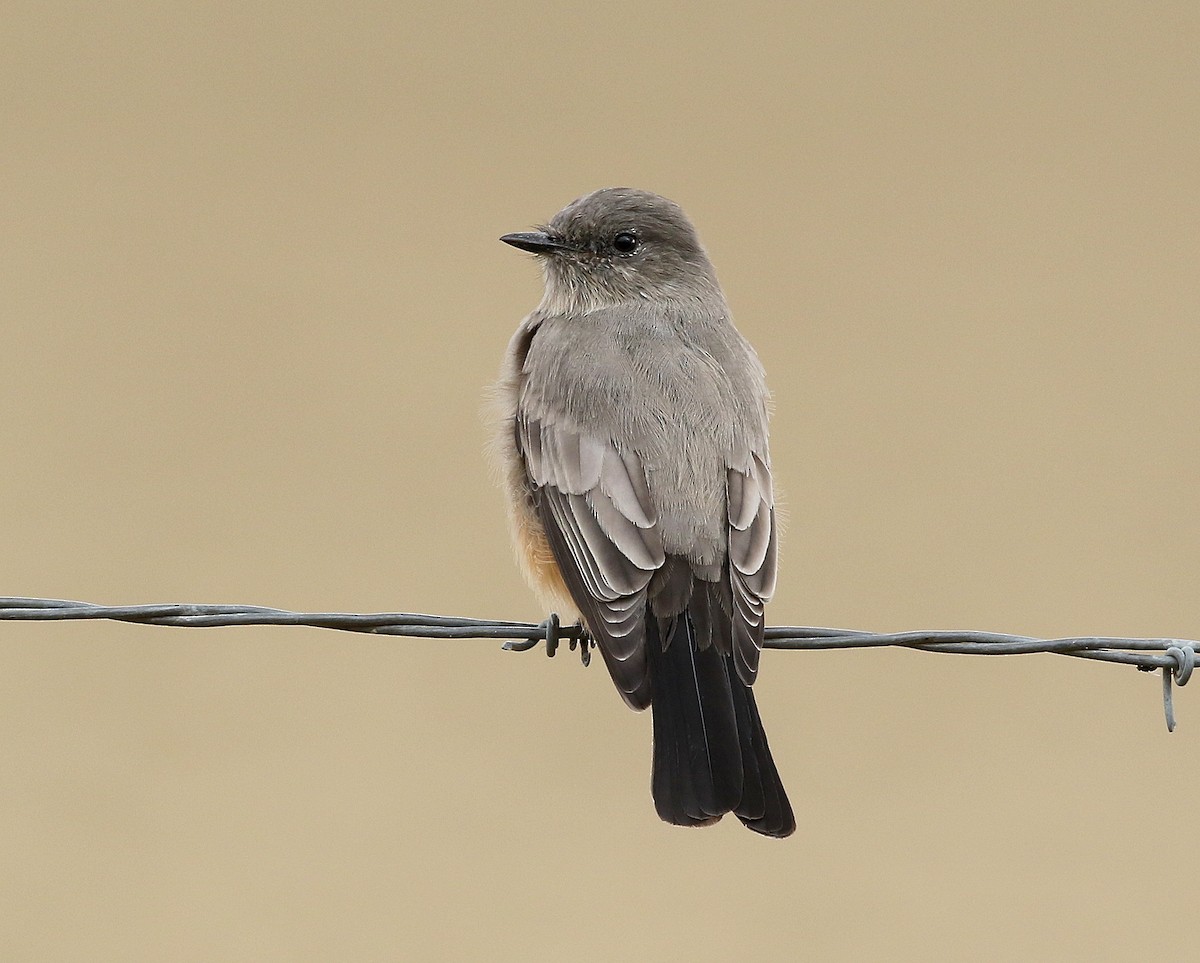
[625,242]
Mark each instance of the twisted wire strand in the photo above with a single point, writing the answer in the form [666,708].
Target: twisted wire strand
[1174,657]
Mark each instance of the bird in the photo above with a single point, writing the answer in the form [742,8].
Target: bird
[631,442]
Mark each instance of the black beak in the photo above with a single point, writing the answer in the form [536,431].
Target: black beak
[537,242]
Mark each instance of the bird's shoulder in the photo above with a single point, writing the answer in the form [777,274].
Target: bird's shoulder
[664,340]
[642,369]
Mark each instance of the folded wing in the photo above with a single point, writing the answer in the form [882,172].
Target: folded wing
[594,504]
[752,558]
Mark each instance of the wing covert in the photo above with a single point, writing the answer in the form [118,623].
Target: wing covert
[595,506]
[753,555]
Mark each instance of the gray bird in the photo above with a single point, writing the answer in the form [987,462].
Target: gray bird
[632,438]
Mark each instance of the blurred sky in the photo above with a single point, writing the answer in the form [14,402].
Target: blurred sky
[251,298]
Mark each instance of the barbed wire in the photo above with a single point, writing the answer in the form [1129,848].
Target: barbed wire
[1174,657]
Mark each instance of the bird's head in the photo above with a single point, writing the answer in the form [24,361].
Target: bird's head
[618,244]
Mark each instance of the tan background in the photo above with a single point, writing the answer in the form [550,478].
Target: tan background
[251,294]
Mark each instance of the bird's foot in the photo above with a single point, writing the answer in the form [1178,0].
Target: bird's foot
[585,643]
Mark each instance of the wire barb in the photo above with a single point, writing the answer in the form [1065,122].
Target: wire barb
[1175,658]
[1184,657]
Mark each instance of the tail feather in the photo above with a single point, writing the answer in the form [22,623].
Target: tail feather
[672,785]
[675,796]
[764,806]
[710,751]
[697,757]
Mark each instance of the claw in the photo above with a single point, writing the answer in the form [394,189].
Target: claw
[585,645]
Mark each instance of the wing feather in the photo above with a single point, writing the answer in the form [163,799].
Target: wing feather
[623,479]
[594,502]
[753,558]
[642,546]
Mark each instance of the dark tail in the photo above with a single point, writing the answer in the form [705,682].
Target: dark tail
[710,751]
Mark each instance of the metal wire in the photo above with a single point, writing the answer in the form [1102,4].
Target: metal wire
[1174,657]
